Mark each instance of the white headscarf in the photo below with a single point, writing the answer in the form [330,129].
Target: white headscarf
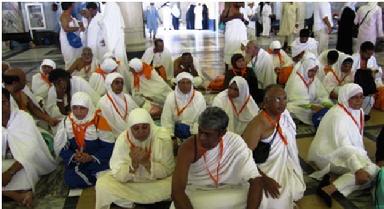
[47,62]
[347,91]
[108,55]
[342,58]
[118,98]
[136,64]
[307,64]
[84,100]
[138,116]
[298,48]
[108,65]
[182,99]
[250,110]
[275,45]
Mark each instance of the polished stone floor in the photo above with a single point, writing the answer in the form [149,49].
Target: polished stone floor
[208,48]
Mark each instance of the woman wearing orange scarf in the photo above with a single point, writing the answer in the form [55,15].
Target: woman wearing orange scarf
[84,141]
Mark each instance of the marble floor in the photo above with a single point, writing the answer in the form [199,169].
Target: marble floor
[207,46]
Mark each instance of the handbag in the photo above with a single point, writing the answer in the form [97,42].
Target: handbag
[182,131]
[261,153]
[74,40]
[355,28]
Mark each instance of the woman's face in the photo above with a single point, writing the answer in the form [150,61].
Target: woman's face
[356,102]
[233,91]
[240,63]
[117,85]
[141,131]
[312,72]
[185,85]
[46,69]
[346,67]
[80,112]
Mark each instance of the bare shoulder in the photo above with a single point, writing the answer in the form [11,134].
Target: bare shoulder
[186,151]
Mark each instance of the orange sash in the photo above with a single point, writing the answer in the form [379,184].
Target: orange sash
[361,126]
[276,124]
[279,55]
[328,69]
[337,78]
[284,74]
[101,72]
[302,78]
[180,111]
[242,107]
[217,84]
[132,145]
[379,99]
[215,179]
[147,70]
[162,73]
[117,109]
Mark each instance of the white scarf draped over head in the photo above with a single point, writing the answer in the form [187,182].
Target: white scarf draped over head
[307,64]
[342,58]
[108,65]
[346,92]
[249,111]
[139,116]
[182,99]
[298,48]
[84,100]
[47,62]
[136,64]
[275,45]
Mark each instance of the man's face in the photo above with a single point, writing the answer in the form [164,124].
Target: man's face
[141,131]
[233,91]
[276,101]
[209,138]
[304,39]
[159,46]
[367,54]
[356,102]
[79,112]
[87,56]
[61,84]
[251,50]
[117,85]
[184,85]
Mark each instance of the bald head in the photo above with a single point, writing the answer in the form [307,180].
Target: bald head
[275,99]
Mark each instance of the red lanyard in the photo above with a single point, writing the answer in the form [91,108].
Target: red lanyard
[180,111]
[132,145]
[242,107]
[79,131]
[361,126]
[276,124]
[117,109]
[302,78]
[337,78]
[215,179]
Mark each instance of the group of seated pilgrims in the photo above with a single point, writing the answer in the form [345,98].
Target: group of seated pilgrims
[118,126]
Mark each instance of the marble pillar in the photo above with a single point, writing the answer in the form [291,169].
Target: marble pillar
[134,27]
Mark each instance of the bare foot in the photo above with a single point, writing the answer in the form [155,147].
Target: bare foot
[330,189]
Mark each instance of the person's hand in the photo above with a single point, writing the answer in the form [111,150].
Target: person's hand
[362,177]
[85,157]
[7,177]
[271,187]
[316,107]
[53,121]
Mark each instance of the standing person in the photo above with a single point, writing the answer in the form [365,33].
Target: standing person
[289,23]
[338,147]
[282,168]
[113,29]
[176,13]
[344,33]
[250,15]
[238,103]
[215,168]
[198,17]
[95,39]
[266,13]
[152,16]
[84,141]
[259,21]
[205,17]
[25,156]
[305,42]
[235,30]
[190,17]
[167,16]
[323,24]
[68,24]
[369,17]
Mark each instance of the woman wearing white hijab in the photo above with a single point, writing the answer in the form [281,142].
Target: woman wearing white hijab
[97,79]
[182,108]
[40,82]
[141,165]
[338,146]
[84,141]
[306,94]
[342,75]
[25,156]
[148,89]
[116,105]
[239,105]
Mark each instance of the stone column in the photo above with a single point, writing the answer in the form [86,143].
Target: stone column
[134,27]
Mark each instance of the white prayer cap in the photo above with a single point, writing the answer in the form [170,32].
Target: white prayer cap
[136,64]
[297,49]
[275,45]
[347,91]
[110,78]
[83,99]
[108,65]
[184,75]
[108,55]
[48,62]
[244,42]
